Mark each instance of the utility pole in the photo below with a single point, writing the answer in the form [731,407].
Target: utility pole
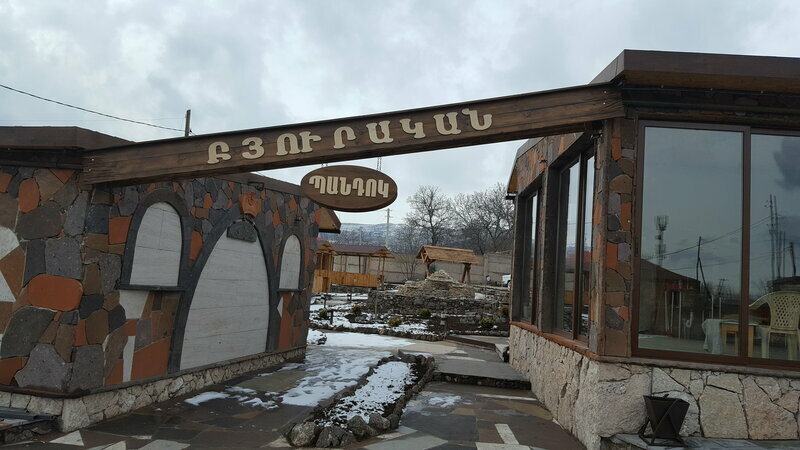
[186,128]
[386,238]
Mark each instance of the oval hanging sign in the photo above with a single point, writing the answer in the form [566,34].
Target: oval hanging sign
[349,188]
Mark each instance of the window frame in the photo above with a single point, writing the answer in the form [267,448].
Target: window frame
[579,279]
[529,286]
[741,359]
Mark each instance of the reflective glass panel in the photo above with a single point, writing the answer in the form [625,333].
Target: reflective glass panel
[774,237]
[588,208]
[568,226]
[690,269]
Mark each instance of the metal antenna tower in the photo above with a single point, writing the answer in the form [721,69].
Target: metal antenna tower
[661,247]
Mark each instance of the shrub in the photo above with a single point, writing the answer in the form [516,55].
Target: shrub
[322,314]
[425,313]
[487,323]
[503,311]
[356,309]
[395,321]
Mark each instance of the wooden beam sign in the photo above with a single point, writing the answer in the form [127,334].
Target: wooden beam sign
[349,188]
[439,127]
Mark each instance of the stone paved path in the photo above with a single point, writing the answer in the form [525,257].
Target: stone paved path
[250,412]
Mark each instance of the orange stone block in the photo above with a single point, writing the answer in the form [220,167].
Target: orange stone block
[5,180]
[9,367]
[207,201]
[623,312]
[116,374]
[118,229]
[80,334]
[276,219]
[292,204]
[250,204]
[616,148]
[625,216]
[130,327]
[54,292]
[197,245]
[151,188]
[151,361]
[28,195]
[62,174]
[611,255]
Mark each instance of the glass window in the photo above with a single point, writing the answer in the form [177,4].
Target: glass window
[774,295]
[576,200]
[691,240]
[528,300]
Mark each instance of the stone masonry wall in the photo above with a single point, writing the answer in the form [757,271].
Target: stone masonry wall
[63,327]
[594,399]
[80,412]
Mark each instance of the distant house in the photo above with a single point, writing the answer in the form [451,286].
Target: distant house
[349,265]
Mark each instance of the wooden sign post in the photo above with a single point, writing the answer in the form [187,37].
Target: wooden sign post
[419,130]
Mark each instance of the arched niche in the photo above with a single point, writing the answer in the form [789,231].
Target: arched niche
[229,312]
[291,264]
[157,251]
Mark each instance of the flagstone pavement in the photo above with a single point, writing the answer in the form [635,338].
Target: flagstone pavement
[252,412]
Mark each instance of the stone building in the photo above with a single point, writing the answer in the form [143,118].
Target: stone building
[655,252]
[116,296]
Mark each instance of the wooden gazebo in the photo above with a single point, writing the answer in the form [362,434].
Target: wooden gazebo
[332,265]
[430,253]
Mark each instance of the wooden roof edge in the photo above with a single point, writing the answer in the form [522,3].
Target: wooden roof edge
[469,256]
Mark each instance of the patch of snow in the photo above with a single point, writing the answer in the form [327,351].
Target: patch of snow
[205,396]
[444,401]
[435,399]
[479,296]
[316,337]
[359,340]
[255,401]
[384,386]
[328,372]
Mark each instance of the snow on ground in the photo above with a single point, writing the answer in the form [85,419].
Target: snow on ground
[329,370]
[437,399]
[339,364]
[242,395]
[205,396]
[339,320]
[316,337]
[359,340]
[383,387]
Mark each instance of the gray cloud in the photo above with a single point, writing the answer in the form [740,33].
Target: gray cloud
[245,64]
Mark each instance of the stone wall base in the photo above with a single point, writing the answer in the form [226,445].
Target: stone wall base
[80,412]
[594,399]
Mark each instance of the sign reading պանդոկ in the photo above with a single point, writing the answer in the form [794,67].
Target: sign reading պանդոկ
[349,188]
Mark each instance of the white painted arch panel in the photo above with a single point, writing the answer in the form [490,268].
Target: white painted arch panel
[157,254]
[229,314]
[290,264]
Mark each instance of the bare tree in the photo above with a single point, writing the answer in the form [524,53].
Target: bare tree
[431,212]
[406,241]
[485,219]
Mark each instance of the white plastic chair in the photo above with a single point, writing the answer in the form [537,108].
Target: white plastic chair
[784,311]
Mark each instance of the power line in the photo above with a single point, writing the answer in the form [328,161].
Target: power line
[88,110]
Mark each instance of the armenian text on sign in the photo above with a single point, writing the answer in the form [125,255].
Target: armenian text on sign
[349,188]
[378,132]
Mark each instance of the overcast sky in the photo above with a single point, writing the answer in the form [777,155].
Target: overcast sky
[248,64]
